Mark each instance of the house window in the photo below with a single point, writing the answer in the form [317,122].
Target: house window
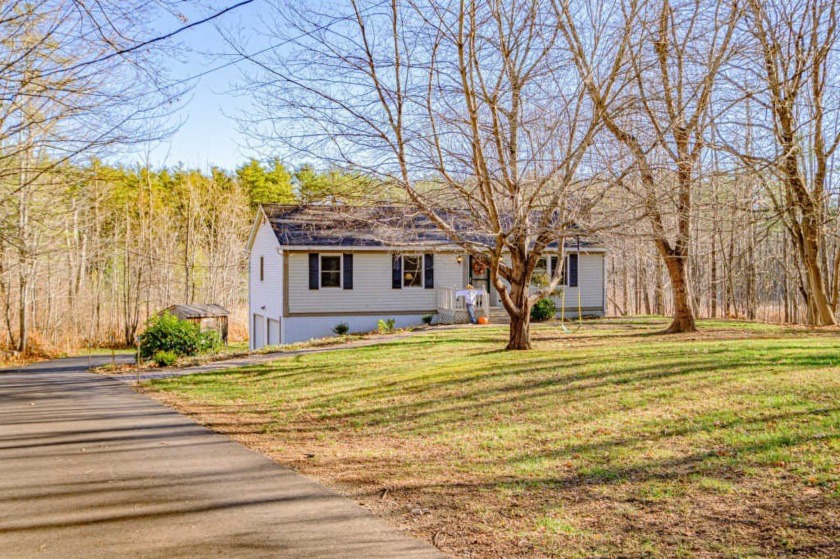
[330,270]
[540,272]
[262,268]
[413,271]
[569,273]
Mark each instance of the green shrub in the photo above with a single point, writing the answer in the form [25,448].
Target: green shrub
[341,328]
[164,358]
[543,309]
[385,326]
[427,319]
[210,341]
[165,332]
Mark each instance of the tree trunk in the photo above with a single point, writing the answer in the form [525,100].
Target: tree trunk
[785,283]
[660,288]
[520,332]
[820,305]
[520,315]
[713,280]
[625,289]
[23,315]
[751,295]
[683,313]
[643,280]
[516,300]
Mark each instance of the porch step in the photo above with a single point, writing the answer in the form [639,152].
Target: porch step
[498,315]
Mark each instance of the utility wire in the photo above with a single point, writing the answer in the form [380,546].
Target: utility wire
[150,41]
[239,58]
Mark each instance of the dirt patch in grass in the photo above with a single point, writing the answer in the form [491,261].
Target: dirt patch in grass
[614,441]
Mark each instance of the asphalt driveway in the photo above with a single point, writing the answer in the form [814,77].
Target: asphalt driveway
[89,468]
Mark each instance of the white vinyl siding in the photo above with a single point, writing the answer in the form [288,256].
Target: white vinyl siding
[372,286]
[590,284]
[266,296]
[302,328]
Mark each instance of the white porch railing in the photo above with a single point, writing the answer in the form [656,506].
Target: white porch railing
[453,310]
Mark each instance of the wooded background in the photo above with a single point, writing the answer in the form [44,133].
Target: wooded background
[103,247]
[696,139]
[109,246]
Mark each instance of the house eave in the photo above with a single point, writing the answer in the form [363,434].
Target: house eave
[411,248]
[258,221]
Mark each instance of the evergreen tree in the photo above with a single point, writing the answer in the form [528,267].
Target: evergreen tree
[272,185]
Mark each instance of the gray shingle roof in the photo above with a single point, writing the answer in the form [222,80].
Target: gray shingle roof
[351,226]
[365,226]
[197,311]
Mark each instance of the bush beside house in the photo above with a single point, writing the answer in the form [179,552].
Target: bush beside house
[543,309]
[166,336]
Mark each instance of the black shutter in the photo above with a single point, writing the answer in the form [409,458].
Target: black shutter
[396,267]
[573,270]
[313,270]
[554,262]
[429,269]
[348,271]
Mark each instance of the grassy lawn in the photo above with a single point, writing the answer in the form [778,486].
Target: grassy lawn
[612,441]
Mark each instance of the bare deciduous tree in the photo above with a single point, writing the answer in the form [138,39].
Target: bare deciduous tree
[794,80]
[469,108]
[651,70]
[71,86]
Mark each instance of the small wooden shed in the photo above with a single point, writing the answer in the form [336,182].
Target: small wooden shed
[208,317]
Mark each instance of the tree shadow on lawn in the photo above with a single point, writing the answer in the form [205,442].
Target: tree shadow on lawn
[773,512]
[467,387]
[473,382]
[543,339]
[393,407]
[653,433]
[709,462]
[536,396]
[475,378]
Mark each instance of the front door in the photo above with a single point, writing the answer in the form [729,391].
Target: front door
[480,276]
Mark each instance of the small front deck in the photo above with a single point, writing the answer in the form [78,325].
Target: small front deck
[453,310]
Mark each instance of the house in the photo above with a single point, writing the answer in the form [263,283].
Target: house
[313,267]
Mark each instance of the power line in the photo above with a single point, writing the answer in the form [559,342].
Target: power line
[148,42]
[239,58]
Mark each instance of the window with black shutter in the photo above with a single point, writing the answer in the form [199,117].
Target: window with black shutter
[563,272]
[396,271]
[348,271]
[573,270]
[540,272]
[413,270]
[429,269]
[330,270]
[314,281]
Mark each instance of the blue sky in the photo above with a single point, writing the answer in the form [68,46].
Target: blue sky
[207,136]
